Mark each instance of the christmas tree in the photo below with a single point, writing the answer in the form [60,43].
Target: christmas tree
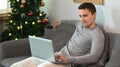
[25,19]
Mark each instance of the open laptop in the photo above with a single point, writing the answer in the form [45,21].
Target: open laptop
[42,48]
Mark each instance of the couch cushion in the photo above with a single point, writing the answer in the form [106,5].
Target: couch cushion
[114,60]
[8,61]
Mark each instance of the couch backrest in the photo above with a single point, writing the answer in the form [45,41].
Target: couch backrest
[61,35]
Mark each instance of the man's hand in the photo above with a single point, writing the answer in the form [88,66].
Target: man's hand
[60,58]
[57,23]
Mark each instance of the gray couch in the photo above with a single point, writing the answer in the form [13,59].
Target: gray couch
[16,50]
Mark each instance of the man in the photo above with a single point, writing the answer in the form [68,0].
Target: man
[86,46]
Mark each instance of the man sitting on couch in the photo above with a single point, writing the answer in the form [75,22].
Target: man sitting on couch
[86,46]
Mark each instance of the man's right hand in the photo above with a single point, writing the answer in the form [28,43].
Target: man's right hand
[56,24]
[61,58]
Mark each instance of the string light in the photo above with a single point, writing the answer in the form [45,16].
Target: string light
[17,0]
[18,27]
[13,1]
[34,35]
[14,23]
[11,21]
[33,23]
[26,22]
[40,14]
[9,15]
[21,26]
[16,38]
[15,10]
[10,34]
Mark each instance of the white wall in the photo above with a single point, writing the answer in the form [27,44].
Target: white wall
[107,14]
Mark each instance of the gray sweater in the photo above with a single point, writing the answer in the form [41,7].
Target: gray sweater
[85,46]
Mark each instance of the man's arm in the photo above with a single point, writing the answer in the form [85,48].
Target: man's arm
[56,24]
[59,22]
[97,49]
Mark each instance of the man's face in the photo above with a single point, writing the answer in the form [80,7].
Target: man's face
[87,18]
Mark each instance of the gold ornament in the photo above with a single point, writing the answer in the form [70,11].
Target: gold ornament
[39,21]
[23,1]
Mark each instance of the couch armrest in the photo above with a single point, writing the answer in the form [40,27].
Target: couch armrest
[14,48]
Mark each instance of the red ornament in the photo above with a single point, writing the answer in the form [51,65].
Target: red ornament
[22,6]
[44,21]
[42,3]
[30,13]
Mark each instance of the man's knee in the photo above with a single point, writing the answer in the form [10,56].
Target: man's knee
[26,62]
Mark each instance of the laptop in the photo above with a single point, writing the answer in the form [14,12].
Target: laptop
[42,48]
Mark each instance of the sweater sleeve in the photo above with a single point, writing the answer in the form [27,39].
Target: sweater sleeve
[96,51]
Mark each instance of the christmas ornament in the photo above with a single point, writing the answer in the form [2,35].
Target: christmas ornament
[44,21]
[37,18]
[22,15]
[30,13]
[42,3]
[22,6]
[39,21]
[23,1]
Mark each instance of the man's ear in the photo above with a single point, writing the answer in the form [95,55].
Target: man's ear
[94,14]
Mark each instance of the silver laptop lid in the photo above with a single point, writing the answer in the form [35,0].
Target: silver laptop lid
[42,48]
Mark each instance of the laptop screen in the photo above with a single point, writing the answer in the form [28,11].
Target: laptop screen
[42,48]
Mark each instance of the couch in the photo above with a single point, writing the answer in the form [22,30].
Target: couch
[16,50]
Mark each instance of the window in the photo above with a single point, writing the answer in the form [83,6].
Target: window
[4,6]
[98,2]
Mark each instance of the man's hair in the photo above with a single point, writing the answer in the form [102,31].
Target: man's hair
[89,6]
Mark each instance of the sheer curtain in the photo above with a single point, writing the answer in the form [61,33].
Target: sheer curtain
[4,8]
